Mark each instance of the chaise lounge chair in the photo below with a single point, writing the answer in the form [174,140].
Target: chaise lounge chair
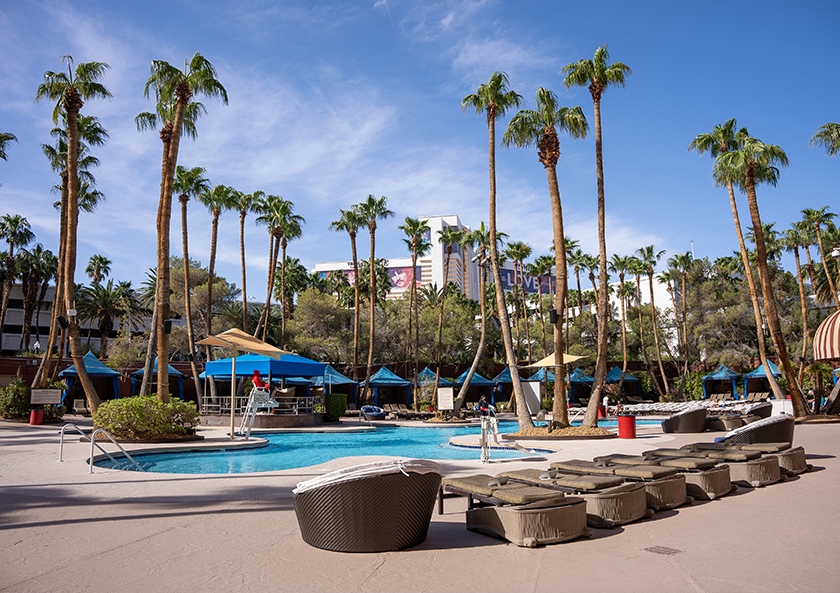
[747,468]
[375,507]
[775,429]
[690,420]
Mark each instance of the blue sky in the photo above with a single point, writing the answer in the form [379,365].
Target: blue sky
[332,101]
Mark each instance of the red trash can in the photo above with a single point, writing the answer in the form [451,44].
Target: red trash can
[36,417]
[627,426]
[602,411]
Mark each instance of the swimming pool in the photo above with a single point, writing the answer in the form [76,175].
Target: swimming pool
[303,449]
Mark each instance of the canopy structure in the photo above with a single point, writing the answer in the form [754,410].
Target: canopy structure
[427,375]
[332,378]
[827,338]
[542,375]
[758,375]
[501,380]
[138,376]
[385,378]
[614,376]
[284,365]
[577,380]
[237,340]
[548,361]
[477,381]
[723,374]
[94,368]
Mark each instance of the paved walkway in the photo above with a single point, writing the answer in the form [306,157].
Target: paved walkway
[62,529]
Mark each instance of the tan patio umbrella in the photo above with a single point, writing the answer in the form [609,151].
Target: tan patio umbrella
[239,340]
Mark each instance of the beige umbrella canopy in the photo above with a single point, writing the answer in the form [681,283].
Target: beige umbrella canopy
[237,340]
[548,361]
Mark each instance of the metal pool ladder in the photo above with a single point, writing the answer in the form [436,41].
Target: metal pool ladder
[93,443]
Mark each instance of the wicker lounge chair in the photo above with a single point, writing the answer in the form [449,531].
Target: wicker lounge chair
[746,468]
[792,460]
[375,507]
[774,429]
[690,420]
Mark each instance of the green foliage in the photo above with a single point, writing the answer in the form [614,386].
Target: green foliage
[336,405]
[144,417]
[53,413]
[14,399]
[423,405]
[693,388]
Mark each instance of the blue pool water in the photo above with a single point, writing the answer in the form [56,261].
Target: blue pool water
[294,450]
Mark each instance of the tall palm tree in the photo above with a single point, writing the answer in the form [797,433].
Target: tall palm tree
[415,231]
[541,268]
[287,228]
[172,85]
[5,139]
[597,75]
[16,232]
[539,128]
[48,270]
[494,99]
[350,222]
[519,251]
[650,257]
[371,210]
[245,203]
[189,183]
[755,162]
[828,137]
[216,200]
[682,263]
[792,240]
[448,237]
[819,218]
[98,268]
[70,91]
[638,268]
[620,264]
[719,142]
[104,304]
[576,258]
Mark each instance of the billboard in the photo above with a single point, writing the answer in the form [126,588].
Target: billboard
[399,278]
[529,283]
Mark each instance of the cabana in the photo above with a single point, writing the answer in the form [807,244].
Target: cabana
[137,377]
[426,383]
[721,377]
[580,380]
[285,365]
[614,376]
[500,381]
[99,374]
[385,379]
[478,382]
[757,378]
[335,382]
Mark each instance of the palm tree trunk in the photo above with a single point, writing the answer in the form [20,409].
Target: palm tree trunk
[542,316]
[372,324]
[527,316]
[43,372]
[356,308]
[149,363]
[188,294]
[560,409]
[522,414]
[645,354]
[831,286]
[242,257]
[214,231]
[656,337]
[440,325]
[465,386]
[803,312]
[800,407]
[283,295]
[623,334]
[411,300]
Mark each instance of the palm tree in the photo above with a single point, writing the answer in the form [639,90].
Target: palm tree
[539,128]
[791,242]
[818,218]
[597,75]
[371,210]
[719,142]
[448,237]
[70,91]
[245,203]
[649,256]
[16,232]
[518,251]
[216,200]
[541,268]
[828,137]
[638,268]
[620,264]
[189,183]
[351,222]
[494,99]
[287,227]
[98,268]
[577,258]
[172,85]
[102,304]
[755,162]
[47,264]
[682,263]
[5,138]
[415,230]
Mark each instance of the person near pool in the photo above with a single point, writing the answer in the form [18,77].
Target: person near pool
[257,380]
[483,406]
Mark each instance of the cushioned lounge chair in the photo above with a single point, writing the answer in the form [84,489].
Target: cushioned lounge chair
[774,429]
[549,522]
[690,420]
[746,468]
[792,460]
[80,407]
[375,507]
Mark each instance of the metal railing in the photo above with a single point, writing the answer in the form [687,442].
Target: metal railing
[93,444]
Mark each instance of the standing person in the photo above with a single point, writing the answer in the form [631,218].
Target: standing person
[257,380]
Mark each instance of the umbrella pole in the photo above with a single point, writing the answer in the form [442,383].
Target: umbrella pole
[233,393]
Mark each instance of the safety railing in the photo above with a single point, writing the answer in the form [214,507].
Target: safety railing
[93,444]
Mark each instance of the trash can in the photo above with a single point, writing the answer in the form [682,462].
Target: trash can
[602,411]
[627,426]
[36,417]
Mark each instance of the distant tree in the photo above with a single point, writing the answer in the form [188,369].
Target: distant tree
[98,268]
[828,137]
[5,139]
[16,232]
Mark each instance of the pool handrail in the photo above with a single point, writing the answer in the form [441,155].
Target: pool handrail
[93,442]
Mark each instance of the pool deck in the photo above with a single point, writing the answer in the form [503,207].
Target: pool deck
[62,529]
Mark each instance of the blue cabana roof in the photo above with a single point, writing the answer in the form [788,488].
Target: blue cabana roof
[578,376]
[614,376]
[476,379]
[427,375]
[138,376]
[758,372]
[503,377]
[721,373]
[288,365]
[331,377]
[540,375]
[172,370]
[384,377]
[93,366]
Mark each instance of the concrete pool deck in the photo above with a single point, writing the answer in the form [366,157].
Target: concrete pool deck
[62,529]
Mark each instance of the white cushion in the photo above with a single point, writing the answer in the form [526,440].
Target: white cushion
[367,470]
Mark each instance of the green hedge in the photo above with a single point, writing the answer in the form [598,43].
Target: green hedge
[144,417]
[14,402]
[336,404]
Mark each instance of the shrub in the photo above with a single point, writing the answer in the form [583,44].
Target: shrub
[144,417]
[336,405]
[423,405]
[14,400]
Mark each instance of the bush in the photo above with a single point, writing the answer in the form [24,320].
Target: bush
[14,400]
[144,417]
[336,405]
[53,413]
[423,405]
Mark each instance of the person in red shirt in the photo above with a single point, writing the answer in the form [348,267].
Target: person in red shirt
[257,381]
